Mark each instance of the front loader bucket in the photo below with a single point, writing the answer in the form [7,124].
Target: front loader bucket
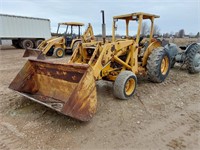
[67,88]
[34,53]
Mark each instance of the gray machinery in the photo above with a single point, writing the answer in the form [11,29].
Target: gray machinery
[185,55]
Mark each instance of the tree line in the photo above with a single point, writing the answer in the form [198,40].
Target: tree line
[180,34]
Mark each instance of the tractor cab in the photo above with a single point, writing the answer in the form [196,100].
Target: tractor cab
[135,22]
[139,18]
[70,31]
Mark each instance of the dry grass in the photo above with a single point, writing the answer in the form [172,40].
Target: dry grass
[178,41]
[183,41]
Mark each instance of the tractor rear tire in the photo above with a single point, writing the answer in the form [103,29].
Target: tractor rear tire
[59,52]
[125,85]
[27,44]
[193,59]
[158,65]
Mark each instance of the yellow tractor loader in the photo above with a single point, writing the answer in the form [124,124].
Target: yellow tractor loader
[68,41]
[70,88]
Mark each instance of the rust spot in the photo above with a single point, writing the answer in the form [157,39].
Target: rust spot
[103,62]
[74,78]
[58,74]
[72,107]
[69,89]
[113,48]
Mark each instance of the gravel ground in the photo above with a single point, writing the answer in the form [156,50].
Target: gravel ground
[159,116]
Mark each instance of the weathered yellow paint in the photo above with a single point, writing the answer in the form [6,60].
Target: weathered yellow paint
[67,88]
[104,56]
[72,85]
[72,23]
[130,16]
[60,42]
[148,51]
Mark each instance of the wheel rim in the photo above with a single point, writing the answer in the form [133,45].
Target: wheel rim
[164,65]
[28,44]
[59,53]
[130,86]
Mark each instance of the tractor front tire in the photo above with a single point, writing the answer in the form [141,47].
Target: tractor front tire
[158,65]
[193,59]
[59,52]
[125,85]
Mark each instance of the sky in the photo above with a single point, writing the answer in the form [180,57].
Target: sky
[174,14]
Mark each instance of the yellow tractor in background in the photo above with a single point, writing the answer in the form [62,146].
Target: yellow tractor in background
[68,41]
[70,88]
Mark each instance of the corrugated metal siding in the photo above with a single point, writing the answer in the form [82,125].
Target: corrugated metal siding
[24,27]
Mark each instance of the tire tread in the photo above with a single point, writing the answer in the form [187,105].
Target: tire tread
[189,58]
[153,65]
[118,89]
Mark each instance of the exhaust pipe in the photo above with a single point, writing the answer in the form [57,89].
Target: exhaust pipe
[103,27]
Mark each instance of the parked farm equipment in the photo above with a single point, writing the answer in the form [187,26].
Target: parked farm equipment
[185,55]
[57,46]
[70,88]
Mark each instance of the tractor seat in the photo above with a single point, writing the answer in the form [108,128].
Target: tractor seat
[68,41]
[143,42]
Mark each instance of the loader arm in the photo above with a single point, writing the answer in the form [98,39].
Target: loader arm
[45,47]
[88,35]
[104,59]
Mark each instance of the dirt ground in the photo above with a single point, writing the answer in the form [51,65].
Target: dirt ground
[158,117]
